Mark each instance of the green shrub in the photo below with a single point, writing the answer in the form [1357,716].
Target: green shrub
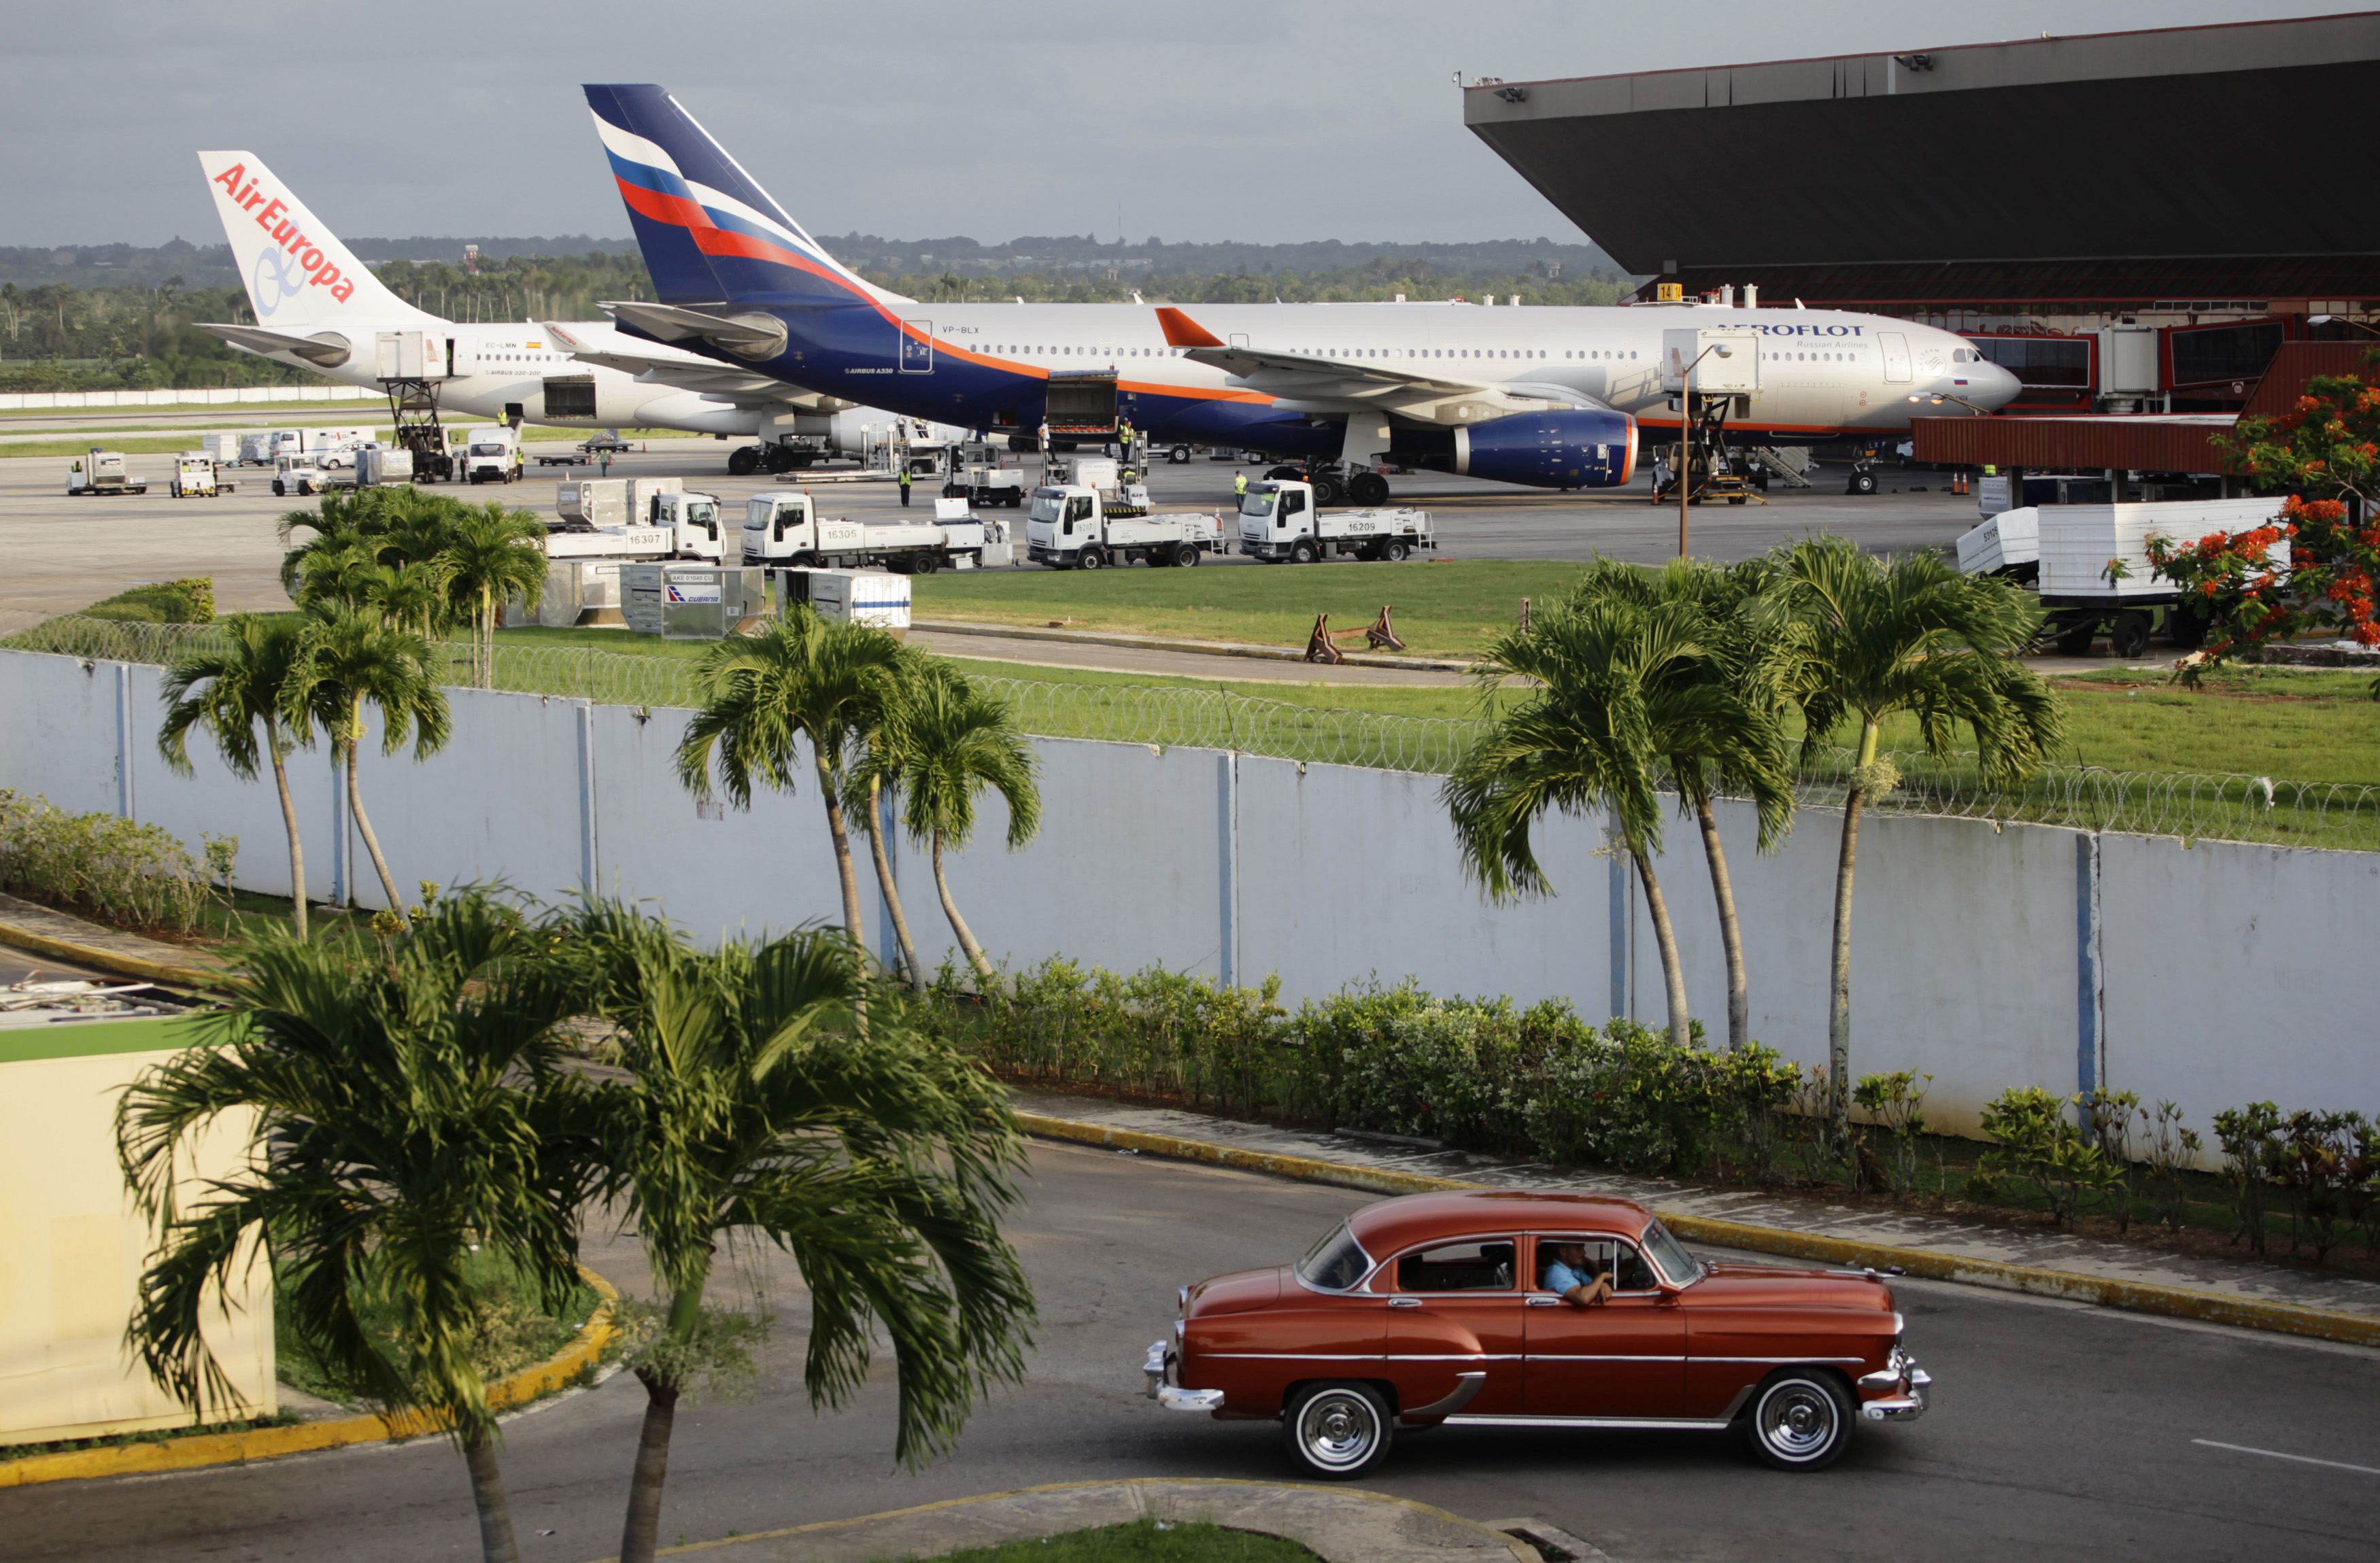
[116,870]
[2038,1141]
[189,601]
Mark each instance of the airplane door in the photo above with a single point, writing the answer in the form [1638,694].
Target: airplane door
[1896,355]
[917,347]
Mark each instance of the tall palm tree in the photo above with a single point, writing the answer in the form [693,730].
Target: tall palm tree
[341,516]
[881,1161]
[349,659]
[1871,637]
[1585,737]
[808,680]
[492,556]
[1745,752]
[945,741]
[341,572]
[231,689]
[408,1107]
[410,595]
[873,781]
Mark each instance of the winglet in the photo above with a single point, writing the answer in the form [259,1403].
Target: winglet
[1180,330]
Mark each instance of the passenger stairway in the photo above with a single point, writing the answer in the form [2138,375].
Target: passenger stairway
[1789,462]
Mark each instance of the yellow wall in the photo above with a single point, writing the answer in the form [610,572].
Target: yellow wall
[72,1248]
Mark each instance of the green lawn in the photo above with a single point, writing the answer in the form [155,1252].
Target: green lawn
[1143,1541]
[1442,610]
[233,412]
[167,444]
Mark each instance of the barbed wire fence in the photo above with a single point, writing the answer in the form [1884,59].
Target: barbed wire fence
[2337,816]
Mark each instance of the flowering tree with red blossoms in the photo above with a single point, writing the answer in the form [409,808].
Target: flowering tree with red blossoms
[2325,454]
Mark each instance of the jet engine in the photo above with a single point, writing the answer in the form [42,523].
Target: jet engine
[1565,449]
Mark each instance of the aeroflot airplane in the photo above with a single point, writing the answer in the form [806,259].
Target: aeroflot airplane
[1548,397]
[317,306]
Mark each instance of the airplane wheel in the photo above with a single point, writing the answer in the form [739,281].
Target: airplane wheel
[1179,457]
[1329,492]
[1284,475]
[1368,487]
[741,460]
[1863,483]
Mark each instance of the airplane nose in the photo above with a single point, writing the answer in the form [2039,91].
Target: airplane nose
[2000,386]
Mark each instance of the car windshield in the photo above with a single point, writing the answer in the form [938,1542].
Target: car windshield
[1336,1263]
[486,450]
[1257,505]
[1049,507]
[1680,1267]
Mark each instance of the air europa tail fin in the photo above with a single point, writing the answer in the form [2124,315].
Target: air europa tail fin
[711,235]
[296,272]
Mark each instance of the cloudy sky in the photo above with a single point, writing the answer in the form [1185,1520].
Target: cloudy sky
[1261,120]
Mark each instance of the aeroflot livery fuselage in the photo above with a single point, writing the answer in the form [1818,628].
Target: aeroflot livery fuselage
[1549,397]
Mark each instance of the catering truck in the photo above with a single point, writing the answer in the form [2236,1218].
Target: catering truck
[1070,527]
[783,527]
[1280,521]
[490,455]
[102,472]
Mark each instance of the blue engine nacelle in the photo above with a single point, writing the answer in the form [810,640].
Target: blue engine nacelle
[1569,449]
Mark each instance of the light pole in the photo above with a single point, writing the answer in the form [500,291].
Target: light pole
[2327,319]
[1685,436]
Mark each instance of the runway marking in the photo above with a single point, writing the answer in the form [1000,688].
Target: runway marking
[2302,1460]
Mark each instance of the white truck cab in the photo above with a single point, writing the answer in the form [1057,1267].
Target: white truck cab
[490,455]
[693,520]
[782,526]
[194,477]
[1070,527]
[1280,521]
[297,474]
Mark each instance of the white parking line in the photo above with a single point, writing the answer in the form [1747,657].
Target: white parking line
[2302,1460]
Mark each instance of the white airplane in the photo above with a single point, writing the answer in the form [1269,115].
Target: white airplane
[319,308]
[1549,397]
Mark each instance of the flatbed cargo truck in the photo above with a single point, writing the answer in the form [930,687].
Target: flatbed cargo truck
[782,527]
[1281,522]
[1072,528]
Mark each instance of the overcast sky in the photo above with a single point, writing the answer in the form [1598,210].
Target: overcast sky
[1260,120]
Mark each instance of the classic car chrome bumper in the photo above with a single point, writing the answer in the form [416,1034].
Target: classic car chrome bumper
[1900,1373]
[1171,1397]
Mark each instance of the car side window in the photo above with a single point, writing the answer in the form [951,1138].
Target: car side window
[1604,1255]
[1475,1265]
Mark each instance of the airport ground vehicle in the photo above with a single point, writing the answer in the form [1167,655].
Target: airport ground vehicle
[783,527]
[194,477]
[1071,527]
[295,474]
[221,449]
[490,455]
[260,448]
[334,448]
[102,472]
[379,464]
[692,519]
[1283,521]
[1438,1310]
[2090,564]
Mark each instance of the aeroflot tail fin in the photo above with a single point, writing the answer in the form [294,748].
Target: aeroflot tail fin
[711,235]
[298,276]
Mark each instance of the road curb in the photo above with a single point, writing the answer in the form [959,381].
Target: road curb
[268,1443]
[105,959]
[1141,1489]
[2107,1292]
[1097,639]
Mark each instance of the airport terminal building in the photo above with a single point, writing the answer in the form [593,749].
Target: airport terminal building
[2133,221]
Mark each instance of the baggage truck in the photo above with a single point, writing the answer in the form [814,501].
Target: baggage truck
[782,527]
[102,472]
[1071,527]
[1279,522]
[194,477]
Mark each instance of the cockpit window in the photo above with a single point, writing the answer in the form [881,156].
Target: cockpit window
[1336,1263]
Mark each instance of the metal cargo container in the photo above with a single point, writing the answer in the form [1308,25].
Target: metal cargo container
[376,465]
[640,495]
[579,592]
[694,601]
[860,597]
[597,501]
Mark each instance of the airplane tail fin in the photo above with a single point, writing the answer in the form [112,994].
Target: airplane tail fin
[709,234]
[298,274]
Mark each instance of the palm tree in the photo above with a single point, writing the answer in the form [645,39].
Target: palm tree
[874,779]
[1869,637]
[492,556]
[410,595]
[1585,738]
[340,516]
[406,1107]
[881,1160]
[1739,748]
[341,572]
[945,742]
[807,679]
[231,689]
[349,659]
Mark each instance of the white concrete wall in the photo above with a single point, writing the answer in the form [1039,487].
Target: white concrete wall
[1986,958]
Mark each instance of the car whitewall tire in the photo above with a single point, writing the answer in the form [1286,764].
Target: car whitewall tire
[1338,1431]
[1801,1421]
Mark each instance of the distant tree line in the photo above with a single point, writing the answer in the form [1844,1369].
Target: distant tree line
[56,337]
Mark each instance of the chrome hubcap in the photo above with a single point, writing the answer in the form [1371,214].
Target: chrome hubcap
[1797,1420]
[1339,1429]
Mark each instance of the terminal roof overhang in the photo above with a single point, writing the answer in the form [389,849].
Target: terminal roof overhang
[2207,141]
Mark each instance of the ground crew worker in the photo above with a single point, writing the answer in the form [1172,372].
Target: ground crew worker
[1239,485]
[905,485]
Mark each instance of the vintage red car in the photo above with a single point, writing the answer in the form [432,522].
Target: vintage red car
[1435,1310]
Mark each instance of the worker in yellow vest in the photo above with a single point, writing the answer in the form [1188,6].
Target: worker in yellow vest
[1239,485]
[905,485]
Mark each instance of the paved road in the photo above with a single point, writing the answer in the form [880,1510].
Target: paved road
[2060,1431]
[67,553]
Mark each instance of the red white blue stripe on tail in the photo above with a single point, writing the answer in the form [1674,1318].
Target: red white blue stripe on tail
[709,232]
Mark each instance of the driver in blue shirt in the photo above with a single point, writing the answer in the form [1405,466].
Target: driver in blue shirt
[1566,1272]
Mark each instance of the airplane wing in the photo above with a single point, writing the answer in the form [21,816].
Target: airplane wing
[660,366]
[1308,377]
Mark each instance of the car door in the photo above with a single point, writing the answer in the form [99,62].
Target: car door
[1454,1327]
[1624,1358]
